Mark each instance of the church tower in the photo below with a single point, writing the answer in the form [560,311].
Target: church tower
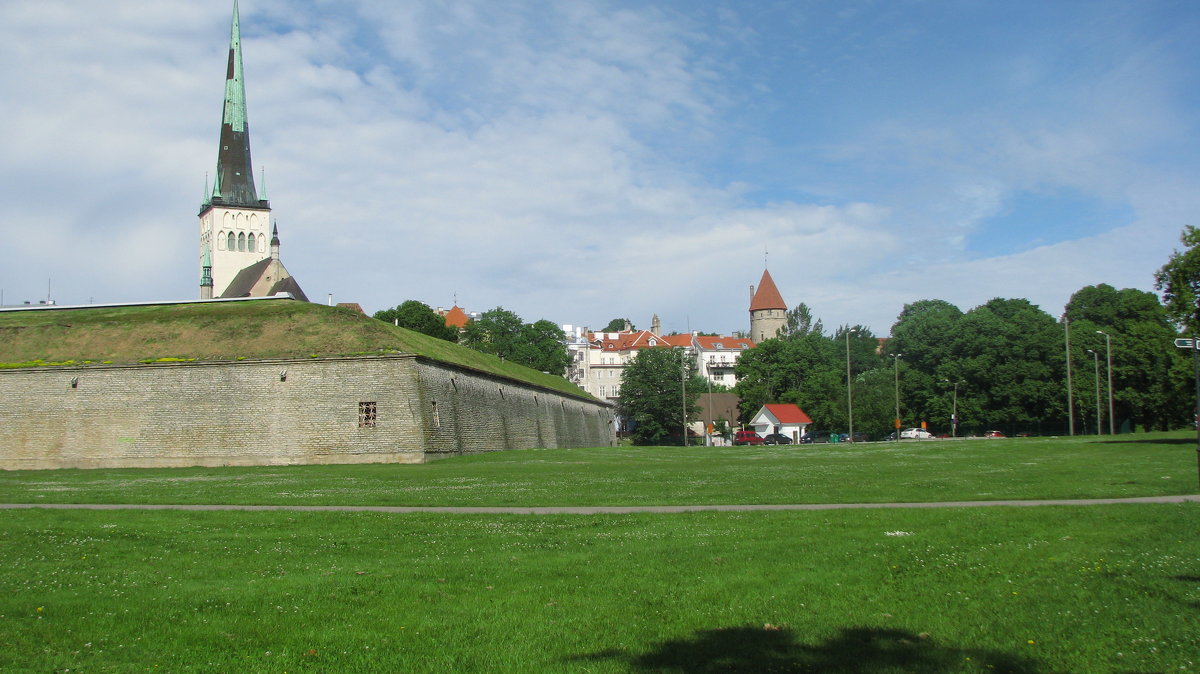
[768,312]
[234,221]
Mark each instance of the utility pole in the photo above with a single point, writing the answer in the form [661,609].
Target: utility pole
[1070,392]
[1112,428]
[849,387]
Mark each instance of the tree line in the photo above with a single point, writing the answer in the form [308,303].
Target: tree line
[540,345]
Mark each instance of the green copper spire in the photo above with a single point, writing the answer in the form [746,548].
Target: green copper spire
[234,183]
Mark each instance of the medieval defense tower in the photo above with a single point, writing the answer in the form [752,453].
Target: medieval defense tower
[768,312]
[234,221]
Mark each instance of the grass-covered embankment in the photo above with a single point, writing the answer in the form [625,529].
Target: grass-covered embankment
[269,328]
[1154,464]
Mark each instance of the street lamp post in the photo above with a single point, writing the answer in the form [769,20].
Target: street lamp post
[1096,359]
[1112,430]
[896,367]
[954,409]
[1070,393]
[849,387]
[683,387]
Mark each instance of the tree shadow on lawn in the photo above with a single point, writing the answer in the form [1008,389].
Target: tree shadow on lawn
[854,650]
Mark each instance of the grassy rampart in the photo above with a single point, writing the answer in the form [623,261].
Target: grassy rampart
[227,331]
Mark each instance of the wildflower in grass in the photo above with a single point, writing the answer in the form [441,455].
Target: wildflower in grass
[897,533]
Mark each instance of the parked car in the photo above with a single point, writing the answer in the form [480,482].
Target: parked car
[747,438]
[915,434]
[814,436]
[993,434]
[777,439]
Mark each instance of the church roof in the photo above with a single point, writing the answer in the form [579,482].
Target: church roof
[767,296]
[243,284]
[234,185]
[289,285]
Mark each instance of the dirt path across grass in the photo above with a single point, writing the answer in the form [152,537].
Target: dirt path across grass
[603,510]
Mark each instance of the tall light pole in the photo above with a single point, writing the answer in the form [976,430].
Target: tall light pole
[954,409]
[683,387]
[1096,358]
[1070,393]
[896,366]
[849,388]
[1112,430]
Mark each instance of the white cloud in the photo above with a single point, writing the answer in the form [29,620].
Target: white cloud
[564,161]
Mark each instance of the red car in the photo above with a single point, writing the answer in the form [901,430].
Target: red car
[993,434]
[747,438]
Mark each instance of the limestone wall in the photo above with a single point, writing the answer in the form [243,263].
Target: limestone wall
[275,412]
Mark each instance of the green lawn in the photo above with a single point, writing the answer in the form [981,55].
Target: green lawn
[1050,589]
[1053,589]
[946,470]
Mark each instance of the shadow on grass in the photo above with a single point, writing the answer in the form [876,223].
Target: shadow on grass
[854,650]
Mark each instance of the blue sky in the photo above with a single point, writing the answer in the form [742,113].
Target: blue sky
[581,161]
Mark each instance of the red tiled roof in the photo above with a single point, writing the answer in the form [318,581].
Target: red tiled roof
[788,414]
[731,343]
[767,295]
[456,318]
[677,340]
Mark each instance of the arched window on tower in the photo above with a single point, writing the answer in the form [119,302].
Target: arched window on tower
[221,241]
[241,241]
[230,242]
[250,243]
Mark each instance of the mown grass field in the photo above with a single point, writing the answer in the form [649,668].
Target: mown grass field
[942,470]
[1046,589]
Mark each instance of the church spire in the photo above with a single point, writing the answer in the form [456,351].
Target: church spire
[234,184]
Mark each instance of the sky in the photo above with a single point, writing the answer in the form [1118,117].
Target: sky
[582,161]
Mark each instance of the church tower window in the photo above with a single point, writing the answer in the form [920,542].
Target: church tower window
[231,243]
[241,241]
[250,243]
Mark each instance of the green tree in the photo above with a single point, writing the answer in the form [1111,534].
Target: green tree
[496,332]
[1150,376]
[801,323]
[1179,282]
[419,317]
[618,325]
[653,395]
[540,345]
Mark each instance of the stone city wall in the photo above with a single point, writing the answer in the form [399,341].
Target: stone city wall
[371,409]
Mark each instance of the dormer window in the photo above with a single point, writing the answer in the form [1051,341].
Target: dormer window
[653,342]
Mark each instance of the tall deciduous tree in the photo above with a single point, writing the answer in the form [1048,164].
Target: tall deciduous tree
[1150,376]
[801,323]
[542,347]
[418,316]
[1179,282]
[500,332]
[653,395]
[618,325]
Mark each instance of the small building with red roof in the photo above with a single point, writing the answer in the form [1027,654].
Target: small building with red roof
[786,419]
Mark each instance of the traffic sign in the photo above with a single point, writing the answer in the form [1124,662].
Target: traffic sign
[1185,343]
